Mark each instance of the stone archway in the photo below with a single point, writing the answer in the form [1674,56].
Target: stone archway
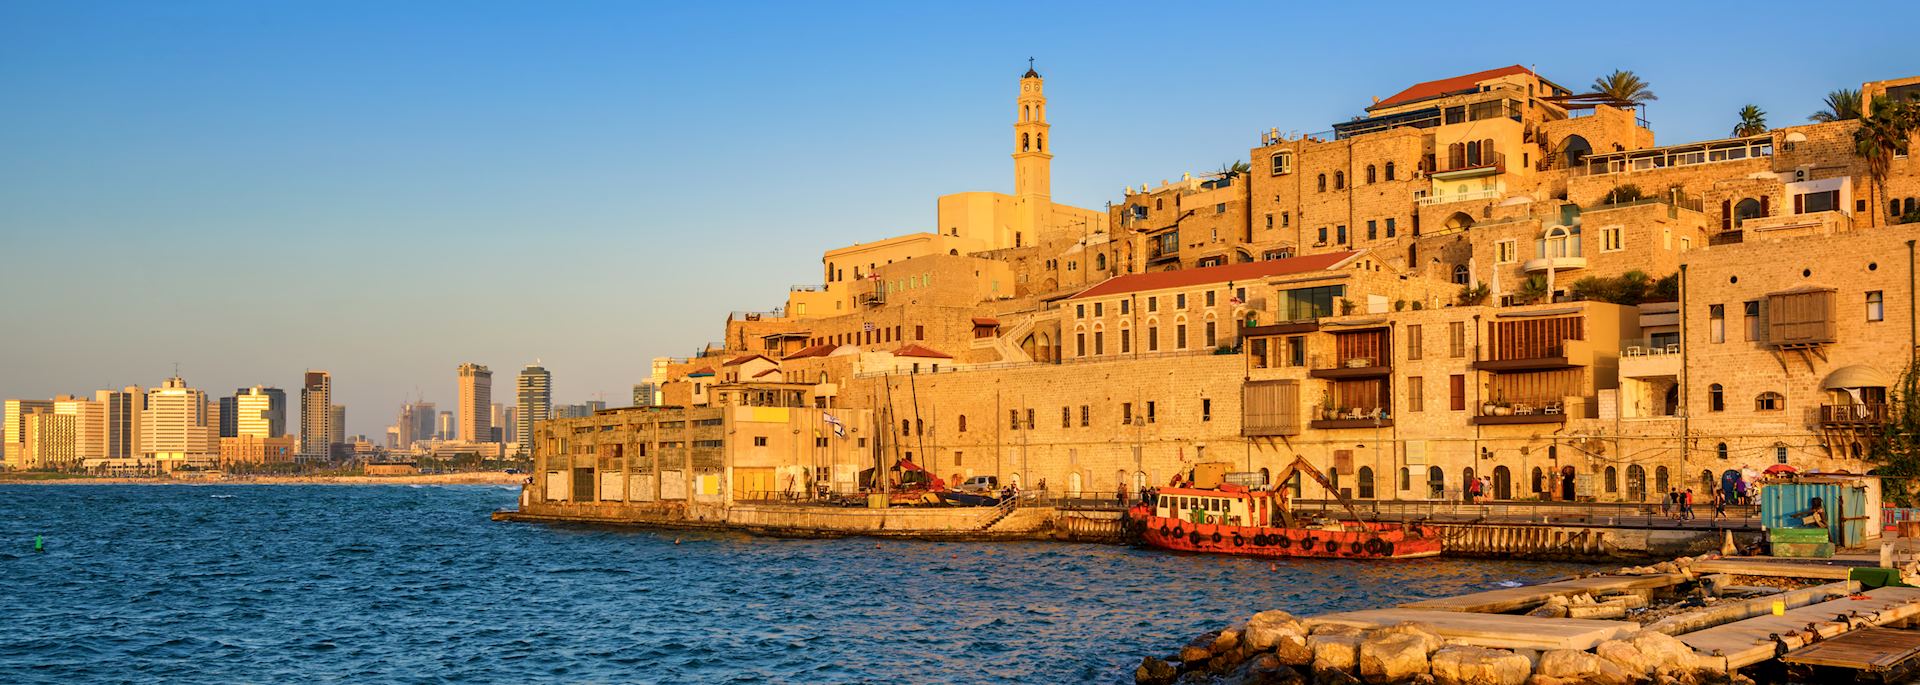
[1502,483]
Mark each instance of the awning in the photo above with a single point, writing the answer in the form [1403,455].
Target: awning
[1856,376]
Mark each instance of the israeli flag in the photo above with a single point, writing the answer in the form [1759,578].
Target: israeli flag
[839,429]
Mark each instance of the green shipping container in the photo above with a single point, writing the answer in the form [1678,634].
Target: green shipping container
[1803,550]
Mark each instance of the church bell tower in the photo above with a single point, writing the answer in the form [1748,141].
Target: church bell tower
[1032,179]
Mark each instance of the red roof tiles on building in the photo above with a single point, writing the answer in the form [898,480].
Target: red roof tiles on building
[919,351]
[736,361]
[1457,84]
[1245,271]
[820,350]
[765,373]
[702,371]
[984,321]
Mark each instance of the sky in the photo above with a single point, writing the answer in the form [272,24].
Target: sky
[385,190]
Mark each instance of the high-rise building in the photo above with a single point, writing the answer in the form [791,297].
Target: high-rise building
[15,432]
[476,403]
[498,423]
[316,416]
[123,420]
[229,416]
[177,428]
[48,441]
[643,394]
[89,436]
[444,430]
[534,395]
[339,421]
[512,425]
[258,411]
[416,423]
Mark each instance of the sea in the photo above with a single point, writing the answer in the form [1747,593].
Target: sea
[415,584]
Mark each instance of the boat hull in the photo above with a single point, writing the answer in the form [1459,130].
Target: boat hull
[1380,541]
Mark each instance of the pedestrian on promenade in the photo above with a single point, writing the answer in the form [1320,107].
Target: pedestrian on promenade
[1719,504]
[1686,505]
[1666,503]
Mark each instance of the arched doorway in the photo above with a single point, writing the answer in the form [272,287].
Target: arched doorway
[1576,150]
[1266,477]
[1363,481]
[1460,221]
[1502,483]
[1636,483]
[1436,483]
[1706,485]
[1566,484]
[1730,484]
[1660,481]
[1073,485]
[1466,481]
[1745,209]
[1014,480]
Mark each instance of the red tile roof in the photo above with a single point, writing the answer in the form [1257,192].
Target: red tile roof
[985,321]
[1422,91]
[1245,271]
[767,372]
[736,361]
[912,350]
[704,370]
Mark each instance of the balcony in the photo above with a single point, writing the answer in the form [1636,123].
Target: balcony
[1555,263]
[1354,417]
[1358,354]
[1353,368]
[1520,412]
[1644,358]
[1563,355]
[1471,167]
[1489,194]
[1851,415]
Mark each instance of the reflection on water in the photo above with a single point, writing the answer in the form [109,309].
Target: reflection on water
[379,583]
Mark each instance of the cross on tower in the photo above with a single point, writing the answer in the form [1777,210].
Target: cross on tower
[1029,64]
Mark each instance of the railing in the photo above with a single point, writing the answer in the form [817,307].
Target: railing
[1733,237]
[1620,514]
[1529,406]
[806,288]
[1647,347]
[1852,414]
[1652,160]
[1459,197]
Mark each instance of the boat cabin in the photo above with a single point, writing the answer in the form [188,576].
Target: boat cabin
[1206,506]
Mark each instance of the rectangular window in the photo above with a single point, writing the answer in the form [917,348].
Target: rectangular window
[1282,163]
[1206,409]
[1066,417]
[1305,304]
[1126,412]
[1079,311]
[1286,219]
[759,441]
[1126,341]
[1153,338]
[1390,230]
[1209,298]
[1816,202]
[1099,342]
[1457,392]
[1080,344]
[1341,231]
[1124,307]
[1416,393]
[1416,343]
[1296,350]
[1876,306]
[1149,411]
[1180,301]
[1220,208]
[1750,312]
[1029,419]
[1153,304]
[1506,252]
[1371,232]
[1180,337]
[1099,309]
[1717,323]
[1323,236]
[1086,416]
[1269,221]
[1612,239]
[1013,419]
[1211,340]
[1457,339]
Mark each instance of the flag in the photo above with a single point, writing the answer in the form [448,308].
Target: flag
[839,429]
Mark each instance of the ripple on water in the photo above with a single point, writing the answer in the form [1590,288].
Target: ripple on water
[394,584]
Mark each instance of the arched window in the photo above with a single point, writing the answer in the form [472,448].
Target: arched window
[1660,483]
[1406,478]
[906,427]
[1339,180]
[1364,482]
[1100,262]
[919,428]
[1460,274]
[1026,112]
[1323,183]
[1333,477]
[1577,149]
[1040,142]
[1436,482]
[1560,241]
[1748,208]
[1716,398]
[1770,401]
[1539,480]
[963,423]
[1720,450]
[1636,483]
[1025,143]
[1706,484]
[823,377]
[1389,171]
[1370,174]
[1612,480]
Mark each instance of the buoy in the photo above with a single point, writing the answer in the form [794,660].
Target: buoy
[39,545]
[676,541]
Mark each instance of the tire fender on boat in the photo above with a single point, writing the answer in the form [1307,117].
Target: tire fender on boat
[1239,541]
[1333,547]
[1282,541]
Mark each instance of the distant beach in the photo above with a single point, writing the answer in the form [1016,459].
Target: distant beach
[466,478]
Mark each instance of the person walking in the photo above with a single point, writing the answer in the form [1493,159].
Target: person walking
[1719,504]
[1666,504]
[1686,505]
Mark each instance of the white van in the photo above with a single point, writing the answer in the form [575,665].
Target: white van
[983,484]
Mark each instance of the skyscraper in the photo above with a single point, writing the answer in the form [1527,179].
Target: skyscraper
[89,438]
[229,416]
[123,420]
[16,428]
[258,411]
[535,398]
[316,416]
[476,403]
[177,428]
[512,425]
[643,394]
[339,421]
[498,422]
[444,429]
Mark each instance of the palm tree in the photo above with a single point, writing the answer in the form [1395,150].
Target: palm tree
[1234,169]
[1753,122]
[1882,136]
[1624,86]
[1842,104]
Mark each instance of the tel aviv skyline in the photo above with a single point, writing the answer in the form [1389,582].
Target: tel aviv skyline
[386,192]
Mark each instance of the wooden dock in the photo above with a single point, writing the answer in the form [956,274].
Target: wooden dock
[1503,631]
[1875,650]
[1746,642]
[1521,598]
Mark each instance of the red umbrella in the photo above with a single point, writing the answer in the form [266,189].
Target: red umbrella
[1780,468]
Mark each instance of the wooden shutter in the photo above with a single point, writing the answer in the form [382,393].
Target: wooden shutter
[1457,392]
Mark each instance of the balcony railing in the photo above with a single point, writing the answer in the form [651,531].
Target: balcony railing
[1352,417]
[1488,194]
[1538,410]
[1496,163]
[1840,415]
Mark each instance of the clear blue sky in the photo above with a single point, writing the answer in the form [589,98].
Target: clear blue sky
[385,190]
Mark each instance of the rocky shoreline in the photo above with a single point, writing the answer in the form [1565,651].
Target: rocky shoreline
[1276,648]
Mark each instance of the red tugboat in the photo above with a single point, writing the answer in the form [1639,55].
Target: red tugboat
[1235,520]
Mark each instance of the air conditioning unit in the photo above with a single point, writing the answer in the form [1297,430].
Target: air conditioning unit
[1799,174]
